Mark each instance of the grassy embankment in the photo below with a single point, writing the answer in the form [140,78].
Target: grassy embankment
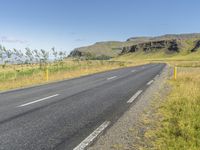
[175,123]
[16,76]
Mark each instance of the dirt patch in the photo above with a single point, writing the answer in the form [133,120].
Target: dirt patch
[127,132]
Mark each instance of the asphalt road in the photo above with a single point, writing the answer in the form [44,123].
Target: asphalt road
[61,115]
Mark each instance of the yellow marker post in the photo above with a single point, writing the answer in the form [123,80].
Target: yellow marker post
[175,73]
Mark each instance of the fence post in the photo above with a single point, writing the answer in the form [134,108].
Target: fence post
[175,72]
[15,75]
[47,74]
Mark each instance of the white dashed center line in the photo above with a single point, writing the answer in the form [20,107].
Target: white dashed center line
[85,143]
[157,76]
[39,100]
[133,71]
[134,96]
[112,78]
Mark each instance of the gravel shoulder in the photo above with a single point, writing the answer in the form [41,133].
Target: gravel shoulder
[127,131]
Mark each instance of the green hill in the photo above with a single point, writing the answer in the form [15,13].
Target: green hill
[109,49]
[165,46]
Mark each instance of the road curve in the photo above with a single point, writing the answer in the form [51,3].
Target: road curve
[63,114]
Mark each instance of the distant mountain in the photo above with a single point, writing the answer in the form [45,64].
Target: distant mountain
[167,36]
[169,43]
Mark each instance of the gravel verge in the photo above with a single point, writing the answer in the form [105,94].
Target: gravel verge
[127,131]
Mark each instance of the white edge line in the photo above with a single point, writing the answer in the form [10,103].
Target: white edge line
[86,142]
[42,99]
[134,96]
[111,78]
[133,71]
[156,76]
[150,82]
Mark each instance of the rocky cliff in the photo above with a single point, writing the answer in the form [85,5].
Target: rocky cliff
[169,45]
[197,46]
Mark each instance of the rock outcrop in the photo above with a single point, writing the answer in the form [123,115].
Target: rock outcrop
[75,53]
[197,45]
[170,45]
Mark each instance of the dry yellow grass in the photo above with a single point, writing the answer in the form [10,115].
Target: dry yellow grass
[178,126]
[10,68]
[184,63]
[74,69]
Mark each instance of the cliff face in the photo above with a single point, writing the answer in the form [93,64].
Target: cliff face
[170,45]
[197,46]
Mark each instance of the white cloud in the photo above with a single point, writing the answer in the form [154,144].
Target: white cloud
[5,39]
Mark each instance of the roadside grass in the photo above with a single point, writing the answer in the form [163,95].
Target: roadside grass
[183,59]
[17,76]
[184,56]
[175,124]
[184,63]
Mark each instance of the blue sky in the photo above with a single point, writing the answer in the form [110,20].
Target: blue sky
[67,24]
